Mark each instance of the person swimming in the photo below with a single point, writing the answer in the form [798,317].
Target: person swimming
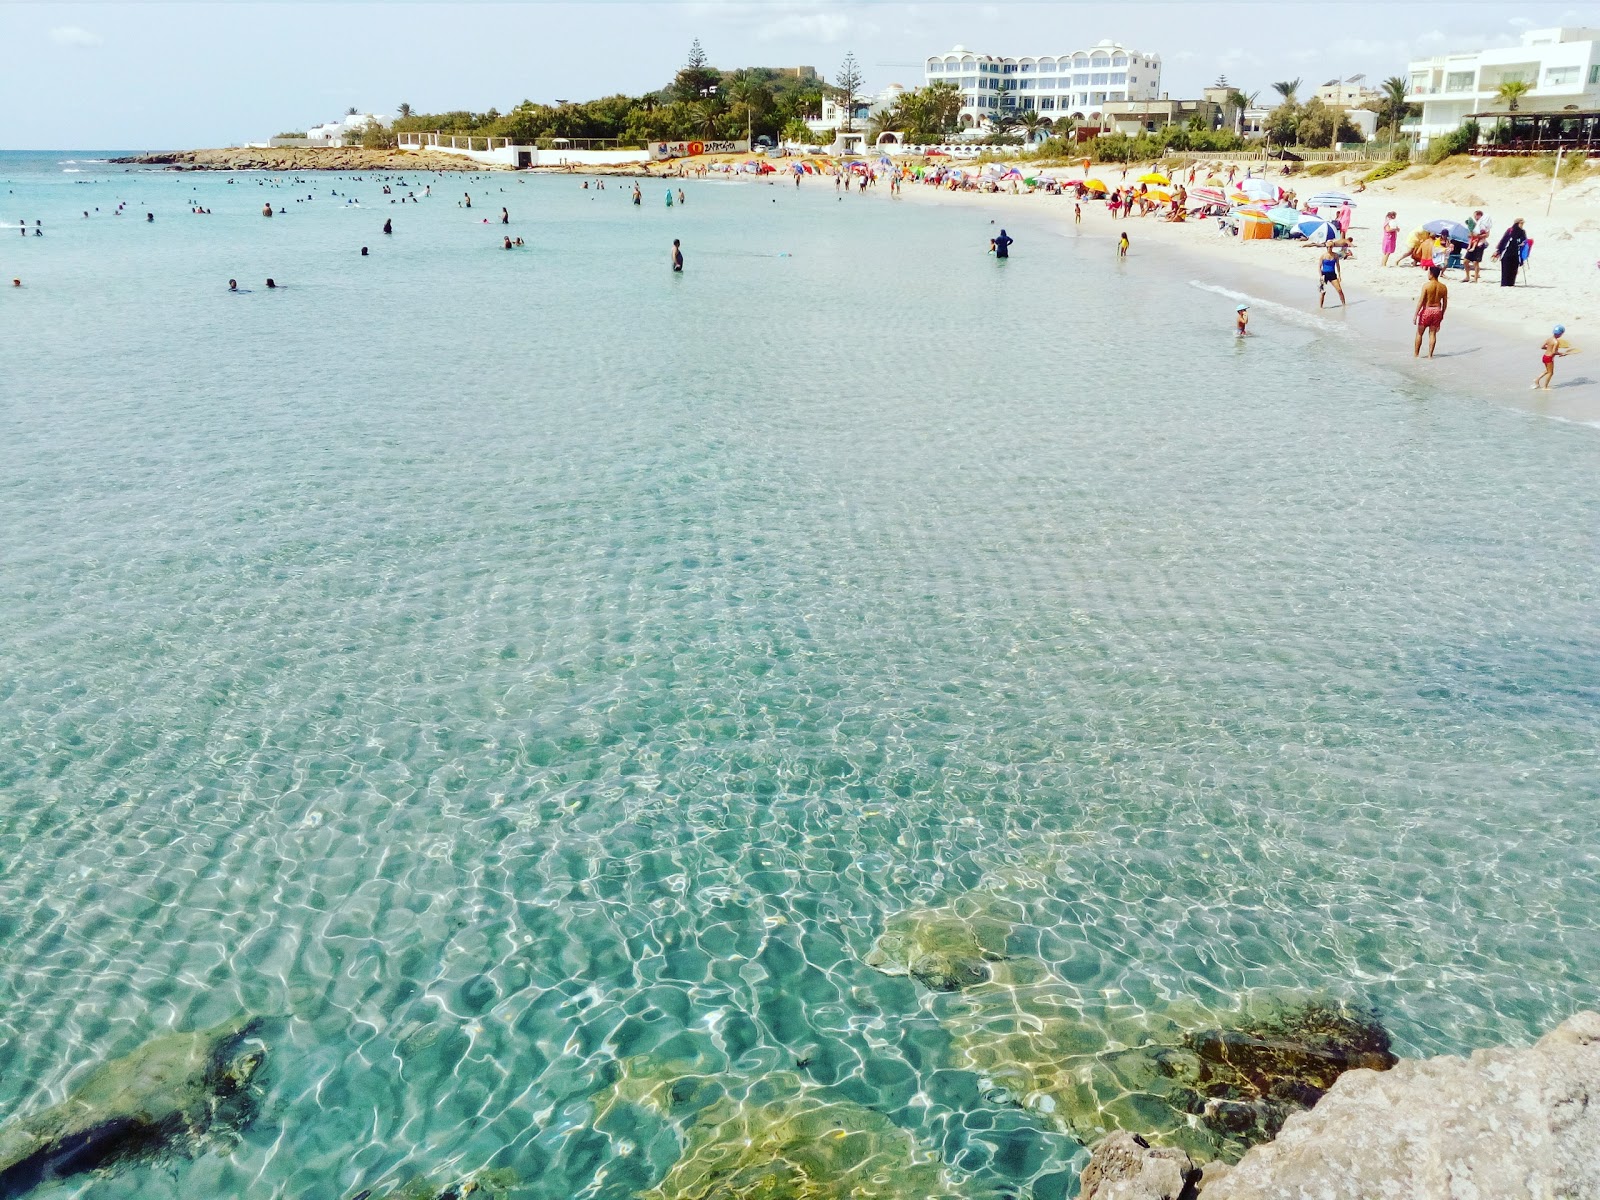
[508,244]
[233,285]
[363,252]
[266,210]
[272,285]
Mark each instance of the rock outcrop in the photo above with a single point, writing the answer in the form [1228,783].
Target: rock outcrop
[1504,1124]
[177,1094]
[353,158]
[946,948]
[1126,1167]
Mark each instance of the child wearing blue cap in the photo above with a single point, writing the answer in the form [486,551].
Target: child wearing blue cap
[1554,347]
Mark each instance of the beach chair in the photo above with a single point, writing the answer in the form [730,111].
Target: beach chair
[1454,263]
[1527,253]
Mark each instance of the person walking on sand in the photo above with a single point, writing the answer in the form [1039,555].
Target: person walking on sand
[1391,237]
[1554,347]
[1122,245]
[1509,253]
[1000,246]
[1328,266]
[1429,316]
[677,256]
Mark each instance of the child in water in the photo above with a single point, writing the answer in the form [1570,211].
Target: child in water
[1122,245]
[1242,324]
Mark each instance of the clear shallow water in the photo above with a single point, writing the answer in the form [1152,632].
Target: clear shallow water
[497,666]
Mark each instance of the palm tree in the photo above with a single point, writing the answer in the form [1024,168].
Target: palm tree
[705,116]
[404,110]
[1395,104]
[1511,91]
[1287,89]
[1031,123]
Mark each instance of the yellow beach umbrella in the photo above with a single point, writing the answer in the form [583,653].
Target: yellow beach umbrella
[1159,195]
[1154,177]
[1094,185]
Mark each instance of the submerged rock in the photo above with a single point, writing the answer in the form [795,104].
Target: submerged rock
[177,1094]
[483,1185]
[946,948]
[779,1138]
[1508,1124]
[1211,1091]
[1280,1058]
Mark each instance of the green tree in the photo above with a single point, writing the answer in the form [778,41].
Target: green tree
[1283,123]
[1288,89]
[696,78]
[1031,123]
[404,110]
[1511,92]
[847,89]
[797,131]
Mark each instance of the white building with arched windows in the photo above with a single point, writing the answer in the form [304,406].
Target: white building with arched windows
[1076,85]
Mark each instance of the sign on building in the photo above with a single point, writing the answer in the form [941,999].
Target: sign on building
[665,150]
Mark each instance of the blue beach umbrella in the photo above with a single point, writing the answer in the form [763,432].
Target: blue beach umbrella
[1315,229]
[1285,215]
[1453,230]
[1331,200]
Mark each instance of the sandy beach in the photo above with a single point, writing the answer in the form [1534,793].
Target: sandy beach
[1491,335]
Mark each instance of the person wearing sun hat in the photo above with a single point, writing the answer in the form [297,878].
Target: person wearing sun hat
[1242,324]
[1554,347]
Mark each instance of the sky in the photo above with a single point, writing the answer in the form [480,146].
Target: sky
[149,74]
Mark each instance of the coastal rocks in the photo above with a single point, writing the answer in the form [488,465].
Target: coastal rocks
[351,158]
[946,948]
[178,1094]
[1504,1123]
[1126,1167]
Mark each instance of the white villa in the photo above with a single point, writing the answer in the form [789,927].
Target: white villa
[334,133]
[1562,65]
[1078,84]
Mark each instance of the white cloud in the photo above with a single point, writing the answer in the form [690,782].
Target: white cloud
[820,26]
[1520,22]
[74,35]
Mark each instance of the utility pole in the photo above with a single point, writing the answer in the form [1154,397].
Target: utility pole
[1555,176]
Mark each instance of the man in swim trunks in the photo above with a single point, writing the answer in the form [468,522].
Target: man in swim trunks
[1429,316]
[1328,265]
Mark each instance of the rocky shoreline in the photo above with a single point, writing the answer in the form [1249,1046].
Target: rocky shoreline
[1505,1123]
[306,159]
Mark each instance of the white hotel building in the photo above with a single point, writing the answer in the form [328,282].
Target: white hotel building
[1561,67]
[1076,85]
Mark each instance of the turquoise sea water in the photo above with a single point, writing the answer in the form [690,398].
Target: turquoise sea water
[497,666]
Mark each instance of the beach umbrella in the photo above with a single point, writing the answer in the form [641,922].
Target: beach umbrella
[1315,230]
[1453,230]
[1158,195]
[1330,200]
[1258,189]
[1284,215]
[1154,177]
[1206,195]
[1094,185]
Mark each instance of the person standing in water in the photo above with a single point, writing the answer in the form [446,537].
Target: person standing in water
[677,255]
[669,197]
[1554,347]
[1328,268]
[266,210]
[1429,316]
[1241,325]
[1001,246]
[680,196]
[505,217]
[388,226]
[1122,245]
